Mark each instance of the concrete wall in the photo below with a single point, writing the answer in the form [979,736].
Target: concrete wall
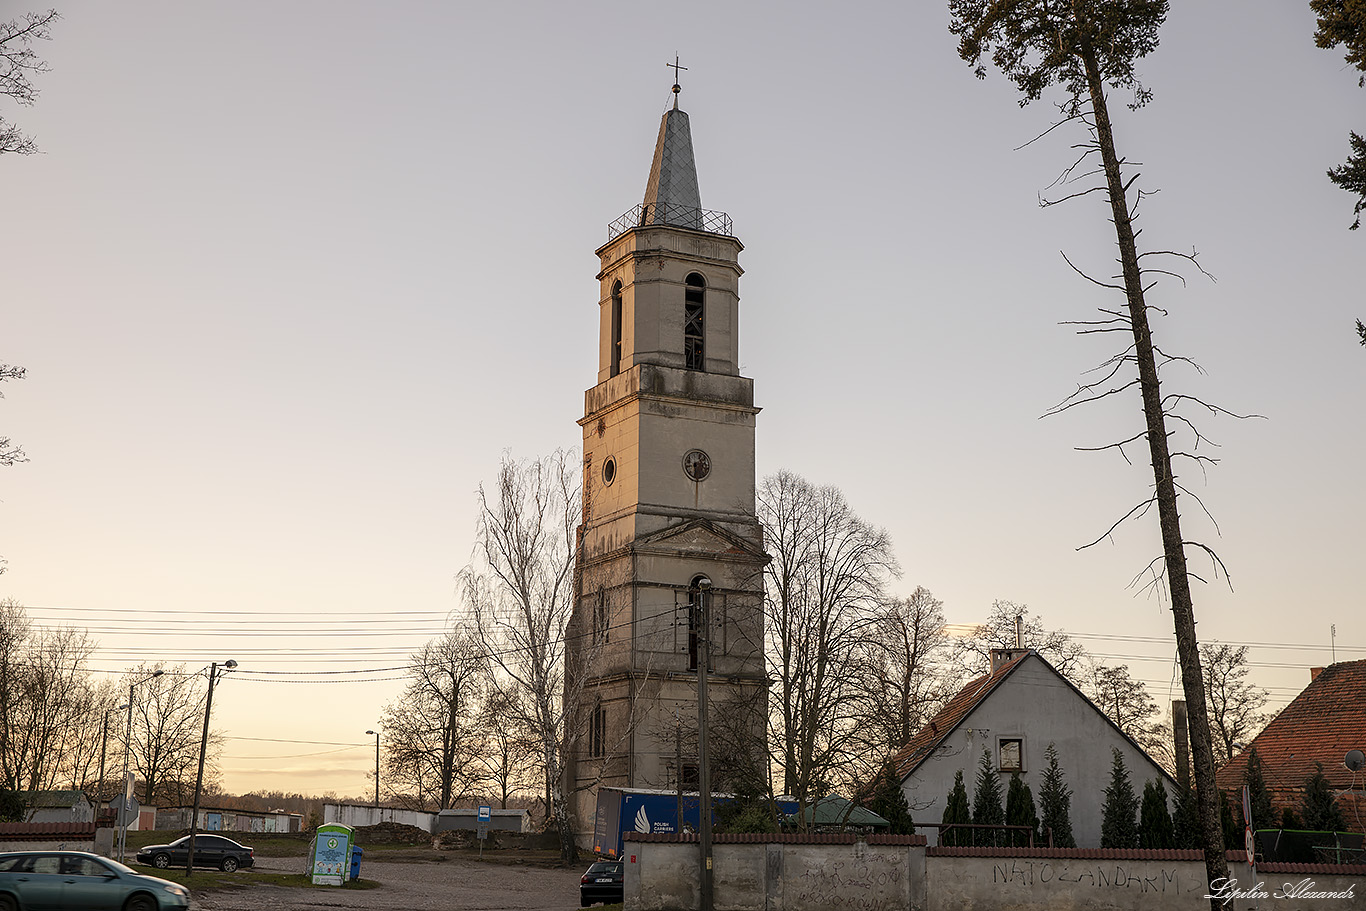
[357,816]
[817,873]
[782,873]
[57,837]
[1038,706]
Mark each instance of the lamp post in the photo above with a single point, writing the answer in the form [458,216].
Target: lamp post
[127,742]
[203,748]
[376,733]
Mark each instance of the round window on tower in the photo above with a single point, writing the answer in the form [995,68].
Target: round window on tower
[696,465]
[609,471]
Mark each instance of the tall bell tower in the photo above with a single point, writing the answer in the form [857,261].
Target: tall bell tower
[669,512]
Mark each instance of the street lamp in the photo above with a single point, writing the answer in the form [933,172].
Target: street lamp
[203,748]
[376,733]
[127,741]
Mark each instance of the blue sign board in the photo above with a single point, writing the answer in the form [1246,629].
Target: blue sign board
[485,814]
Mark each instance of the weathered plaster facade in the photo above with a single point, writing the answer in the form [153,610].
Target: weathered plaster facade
[659,532]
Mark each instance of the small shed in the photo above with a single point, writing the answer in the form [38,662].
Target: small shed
[468,818]
[58,806]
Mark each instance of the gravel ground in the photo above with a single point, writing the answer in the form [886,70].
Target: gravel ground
[452,885]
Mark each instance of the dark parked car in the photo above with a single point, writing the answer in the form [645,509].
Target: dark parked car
[602,883]
[209,851]
[77,881]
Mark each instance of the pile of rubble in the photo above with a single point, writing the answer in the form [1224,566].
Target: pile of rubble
[392,833]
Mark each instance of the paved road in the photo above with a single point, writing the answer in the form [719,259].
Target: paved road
[452,885]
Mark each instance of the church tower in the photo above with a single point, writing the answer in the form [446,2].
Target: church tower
[669,515]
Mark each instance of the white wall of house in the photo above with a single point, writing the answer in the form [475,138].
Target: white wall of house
[1037,706]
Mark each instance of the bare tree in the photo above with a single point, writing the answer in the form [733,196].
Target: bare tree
[904,682]
[1236,707]
[14,632]
[168,714]
[823,587]
[431,733]
[1127,703]
[1085,46]
[18,62]
[972,653]
[506,754]
[10,453]
[48,696]
[520,589]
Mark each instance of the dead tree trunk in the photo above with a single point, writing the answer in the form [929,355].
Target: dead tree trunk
[1174,554]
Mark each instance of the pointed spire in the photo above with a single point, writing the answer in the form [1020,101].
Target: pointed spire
[671,196]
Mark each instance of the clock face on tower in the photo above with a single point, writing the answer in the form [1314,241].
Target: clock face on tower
[696,465]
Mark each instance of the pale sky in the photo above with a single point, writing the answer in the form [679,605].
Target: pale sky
[289,277]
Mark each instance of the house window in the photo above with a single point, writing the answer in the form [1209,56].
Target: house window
[690,780]
[694,352]
[1010,753]
[597,733]
[616,329]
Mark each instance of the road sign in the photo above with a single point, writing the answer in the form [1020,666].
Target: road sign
[485,814]
[127,808]
[482,830]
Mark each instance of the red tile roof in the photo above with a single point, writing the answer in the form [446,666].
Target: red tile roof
[46,831]
[928,738]
[1323,722]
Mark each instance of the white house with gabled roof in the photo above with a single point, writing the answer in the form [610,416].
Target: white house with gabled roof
[1015,712]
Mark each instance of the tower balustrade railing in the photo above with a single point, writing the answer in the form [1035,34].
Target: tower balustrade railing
[676,216]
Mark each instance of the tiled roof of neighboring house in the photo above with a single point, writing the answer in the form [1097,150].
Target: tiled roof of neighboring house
[52,799]
[928,738]
[1322,724]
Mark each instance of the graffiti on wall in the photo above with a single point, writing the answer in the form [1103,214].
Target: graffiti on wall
[860,884]
[1101,876]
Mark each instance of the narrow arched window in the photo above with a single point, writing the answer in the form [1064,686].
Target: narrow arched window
[694,349]
[616,329]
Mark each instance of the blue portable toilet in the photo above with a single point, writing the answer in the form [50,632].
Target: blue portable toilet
[356,852]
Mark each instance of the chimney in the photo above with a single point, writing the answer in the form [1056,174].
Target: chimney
[1314,673]
[1003,656]
[1019,630]
[1183,746]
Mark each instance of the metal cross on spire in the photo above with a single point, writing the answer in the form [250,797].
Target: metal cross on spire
[677,88]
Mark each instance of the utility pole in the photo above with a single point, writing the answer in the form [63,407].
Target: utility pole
[377,775]
[702,605]
[203,748]
[126,805]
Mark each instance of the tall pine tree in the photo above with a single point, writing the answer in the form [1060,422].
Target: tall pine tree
[1020,811]
[1055,802]
[1318,808]
[1155,829]
[1263,814]
[1119,816]
[888,800]
[1186,819]
[986,803]
[956,812]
